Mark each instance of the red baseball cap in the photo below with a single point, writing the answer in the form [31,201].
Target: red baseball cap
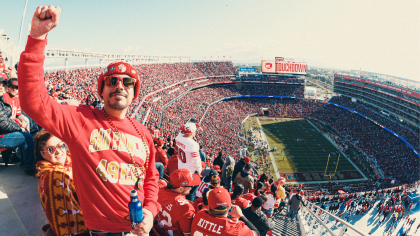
[160,142]
[219,197]
[248,160]
[119,67]
[183,178]
[216,168]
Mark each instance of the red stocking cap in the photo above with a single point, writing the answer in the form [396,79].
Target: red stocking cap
[119,68]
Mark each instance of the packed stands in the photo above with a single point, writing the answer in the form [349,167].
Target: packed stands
[411,135]
[222,122]
[270,78]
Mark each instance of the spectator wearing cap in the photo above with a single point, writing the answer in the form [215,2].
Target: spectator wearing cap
[12,136]
[175,205]
[245,179]
[160,157]
[131,146]
[188,152]
[227,172]
[205,183]
[239,166]
[258,218]
[214,221]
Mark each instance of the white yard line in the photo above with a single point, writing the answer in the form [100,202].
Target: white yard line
[276,170]
[339,151]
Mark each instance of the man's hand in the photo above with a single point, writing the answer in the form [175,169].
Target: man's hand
[236,211]
[44,20]
[146,225]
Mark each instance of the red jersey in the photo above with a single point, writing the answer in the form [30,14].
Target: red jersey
[172,164]
[249,197]
[176,214]
[205,224]
[161,156]
[101,164]
[14,102]
[240,201]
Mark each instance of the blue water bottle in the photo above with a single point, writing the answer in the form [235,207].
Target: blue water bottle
[136,209]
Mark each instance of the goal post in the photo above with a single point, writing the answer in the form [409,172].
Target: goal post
[328,161]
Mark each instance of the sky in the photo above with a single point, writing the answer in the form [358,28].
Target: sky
[378,36]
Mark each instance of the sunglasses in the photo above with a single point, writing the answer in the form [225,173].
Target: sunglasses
[52,149]
[128,82]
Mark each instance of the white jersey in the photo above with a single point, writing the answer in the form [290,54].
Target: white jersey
[203,185]
[188,154]
[271,201]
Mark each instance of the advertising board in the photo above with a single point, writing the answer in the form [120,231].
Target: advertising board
[247,70]
[283,67]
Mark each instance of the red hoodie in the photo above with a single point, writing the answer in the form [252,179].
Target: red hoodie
[176,212]
[101,164]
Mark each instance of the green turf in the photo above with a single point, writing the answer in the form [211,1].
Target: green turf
[312,155]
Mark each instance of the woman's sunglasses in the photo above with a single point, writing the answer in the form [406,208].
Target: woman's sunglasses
[52,149]
[128,82]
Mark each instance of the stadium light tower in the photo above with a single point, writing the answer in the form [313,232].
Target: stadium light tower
[21,25]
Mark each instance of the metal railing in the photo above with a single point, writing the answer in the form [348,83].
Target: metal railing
[316,223]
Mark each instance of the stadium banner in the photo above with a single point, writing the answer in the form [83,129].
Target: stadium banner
[283,67]
[390,131]
[247,70]
[398,89]
[358,85]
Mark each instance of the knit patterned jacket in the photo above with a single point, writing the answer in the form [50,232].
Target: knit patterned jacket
[58,198]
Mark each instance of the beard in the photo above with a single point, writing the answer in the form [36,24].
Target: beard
[118,105]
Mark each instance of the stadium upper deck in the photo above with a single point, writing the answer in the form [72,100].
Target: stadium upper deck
[400,99]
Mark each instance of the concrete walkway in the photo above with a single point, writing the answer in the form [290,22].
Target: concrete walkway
[21,212]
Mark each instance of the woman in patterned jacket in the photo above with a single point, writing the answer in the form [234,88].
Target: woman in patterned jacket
[56,190]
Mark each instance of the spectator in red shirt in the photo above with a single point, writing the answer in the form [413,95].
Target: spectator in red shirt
[172,163]
[175,216]
[100,141]
[160,157]
[237,198]
[214,221]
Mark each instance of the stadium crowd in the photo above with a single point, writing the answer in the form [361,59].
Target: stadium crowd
[405,109]
[270,78]
[222,124]
[181,191]
[411,135]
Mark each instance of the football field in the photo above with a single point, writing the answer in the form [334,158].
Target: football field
[305,155]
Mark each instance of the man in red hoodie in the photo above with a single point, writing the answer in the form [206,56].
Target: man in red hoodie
[111,153]
[176,214]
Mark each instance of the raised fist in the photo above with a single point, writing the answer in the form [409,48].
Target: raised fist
[44,19]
